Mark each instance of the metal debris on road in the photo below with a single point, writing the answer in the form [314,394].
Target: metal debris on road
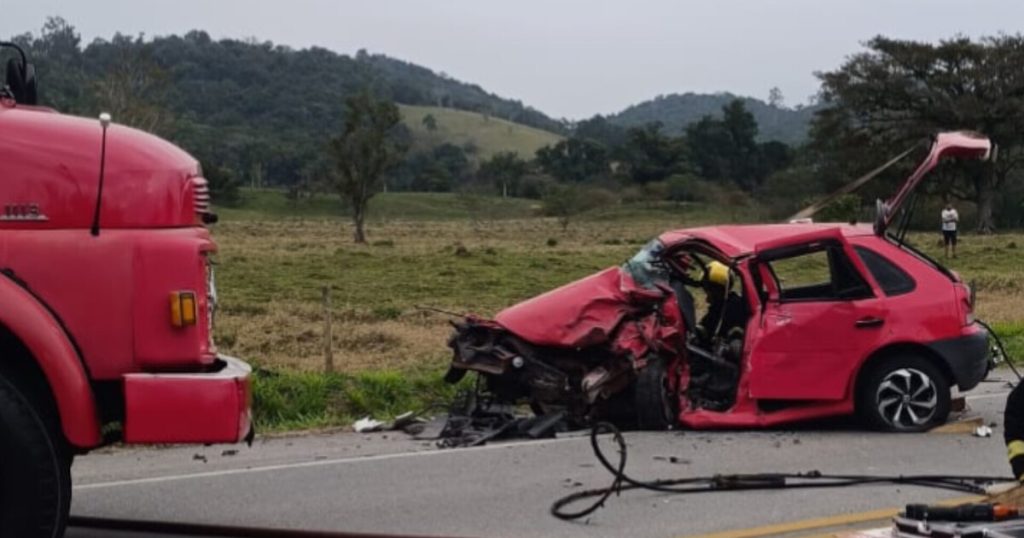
[367,424]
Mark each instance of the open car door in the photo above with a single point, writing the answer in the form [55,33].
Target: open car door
[963,144]
[818,321]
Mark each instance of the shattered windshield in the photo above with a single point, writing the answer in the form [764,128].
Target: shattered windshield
[646,266]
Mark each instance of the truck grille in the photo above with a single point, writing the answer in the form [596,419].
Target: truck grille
[201,192]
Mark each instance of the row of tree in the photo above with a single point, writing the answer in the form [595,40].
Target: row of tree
[262,111]
[268,115]
[894,94]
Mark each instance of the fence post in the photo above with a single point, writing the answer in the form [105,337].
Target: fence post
[328,334]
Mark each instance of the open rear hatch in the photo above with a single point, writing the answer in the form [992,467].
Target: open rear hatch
[962,144]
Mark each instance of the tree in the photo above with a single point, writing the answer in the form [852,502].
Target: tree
[365,150]
[726,148]
[649,155]
[574,159]
[133,88]
[899,92]
[775,98]
[430,122]
[599,129]
[58,60]
[565,202]
[223,184]
[504,169]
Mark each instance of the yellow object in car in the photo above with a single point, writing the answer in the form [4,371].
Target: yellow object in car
[717,273]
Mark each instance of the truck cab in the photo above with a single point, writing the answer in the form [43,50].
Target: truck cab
[107,302]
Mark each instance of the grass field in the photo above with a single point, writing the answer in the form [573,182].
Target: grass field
[430,251]
[489,134]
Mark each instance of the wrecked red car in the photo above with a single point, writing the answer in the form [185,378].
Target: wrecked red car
[747,326]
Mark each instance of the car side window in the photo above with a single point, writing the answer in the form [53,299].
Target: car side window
[892,279]
[821,272]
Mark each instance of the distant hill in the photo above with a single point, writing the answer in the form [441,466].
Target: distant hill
[486,133]
[676,111]
[262,110]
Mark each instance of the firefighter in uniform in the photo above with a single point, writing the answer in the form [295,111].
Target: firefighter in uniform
[1013,430]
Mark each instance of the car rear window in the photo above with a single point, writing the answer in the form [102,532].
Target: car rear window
[892,279]
[816,272]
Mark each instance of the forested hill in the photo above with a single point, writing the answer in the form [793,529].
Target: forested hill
[676,111]
[246,103]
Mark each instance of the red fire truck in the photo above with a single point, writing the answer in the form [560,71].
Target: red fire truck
[107,302]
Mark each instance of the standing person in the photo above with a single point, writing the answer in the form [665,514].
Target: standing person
[950,218]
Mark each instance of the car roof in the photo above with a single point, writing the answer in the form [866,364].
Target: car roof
[743,239]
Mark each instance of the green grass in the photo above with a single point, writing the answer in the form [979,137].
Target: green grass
[435,250]
[272,204]
[288,400]
[490,135]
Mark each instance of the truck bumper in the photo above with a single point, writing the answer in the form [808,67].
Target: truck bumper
[966,355]
[204,407]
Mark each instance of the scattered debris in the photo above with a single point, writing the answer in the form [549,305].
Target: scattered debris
[965,425]
[958,404]
[429,431]
[405,420]
[367,424]
[475,418]
[229,452]
[199,457]
[673,459]
[983,431]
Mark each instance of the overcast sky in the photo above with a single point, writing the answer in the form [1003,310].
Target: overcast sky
[571,58]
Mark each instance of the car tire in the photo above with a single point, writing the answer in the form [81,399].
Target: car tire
[904,393]
[35,470]
[656,408]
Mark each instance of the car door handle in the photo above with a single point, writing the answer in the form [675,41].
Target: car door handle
[867,323]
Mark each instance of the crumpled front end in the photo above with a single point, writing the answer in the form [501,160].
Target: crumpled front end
[574,349]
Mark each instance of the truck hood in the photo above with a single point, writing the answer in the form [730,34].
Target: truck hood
[51,163]
[580,314]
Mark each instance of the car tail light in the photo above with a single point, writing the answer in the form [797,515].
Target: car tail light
[965,298]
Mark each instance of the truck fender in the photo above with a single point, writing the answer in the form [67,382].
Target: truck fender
[44,337]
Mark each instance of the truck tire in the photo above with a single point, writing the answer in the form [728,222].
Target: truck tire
[35,470]
[904,393]
[656,408]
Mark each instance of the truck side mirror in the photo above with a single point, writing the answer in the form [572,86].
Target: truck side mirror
[21,80]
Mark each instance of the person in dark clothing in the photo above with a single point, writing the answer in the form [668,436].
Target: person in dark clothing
[1013,430]
[726,309]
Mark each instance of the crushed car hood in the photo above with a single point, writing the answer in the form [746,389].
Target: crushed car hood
[580,314]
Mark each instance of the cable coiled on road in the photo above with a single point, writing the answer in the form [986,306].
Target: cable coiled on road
[740,482]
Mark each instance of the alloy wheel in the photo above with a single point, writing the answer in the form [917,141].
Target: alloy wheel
[906,398]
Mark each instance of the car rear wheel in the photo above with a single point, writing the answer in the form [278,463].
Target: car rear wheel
[905,393]
[35,471]
[656,405]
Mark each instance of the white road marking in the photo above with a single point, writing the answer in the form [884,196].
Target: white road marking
[357,459]
[317,463]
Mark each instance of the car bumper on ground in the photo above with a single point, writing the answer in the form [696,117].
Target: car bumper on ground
[200,407]
[967,356]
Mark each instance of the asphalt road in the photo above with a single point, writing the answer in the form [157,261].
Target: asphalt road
[388,483]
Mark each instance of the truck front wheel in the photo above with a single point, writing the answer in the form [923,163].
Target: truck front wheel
[35,470]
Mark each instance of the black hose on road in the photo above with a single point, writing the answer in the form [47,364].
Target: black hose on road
[1002,349]
[743,482]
